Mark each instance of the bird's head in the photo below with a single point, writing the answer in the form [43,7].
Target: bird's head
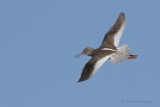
[87,51]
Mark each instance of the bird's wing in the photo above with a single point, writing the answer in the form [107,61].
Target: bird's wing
[92,66]
[112,37]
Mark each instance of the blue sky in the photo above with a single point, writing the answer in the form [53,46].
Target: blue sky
[38,39]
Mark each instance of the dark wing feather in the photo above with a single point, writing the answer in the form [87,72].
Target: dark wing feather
[112,37]
[88,69]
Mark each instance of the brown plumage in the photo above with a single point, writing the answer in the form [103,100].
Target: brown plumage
[107,50]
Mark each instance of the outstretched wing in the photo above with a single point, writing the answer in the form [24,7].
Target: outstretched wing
[112,37]
[92,66]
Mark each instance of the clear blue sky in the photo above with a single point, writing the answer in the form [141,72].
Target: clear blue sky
[38,39]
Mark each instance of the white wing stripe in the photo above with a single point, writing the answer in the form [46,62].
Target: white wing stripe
[118,35]
[108,49]
[100,63]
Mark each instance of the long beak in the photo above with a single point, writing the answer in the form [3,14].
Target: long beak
[78,55]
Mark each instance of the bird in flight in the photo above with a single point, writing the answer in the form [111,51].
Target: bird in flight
[108,50]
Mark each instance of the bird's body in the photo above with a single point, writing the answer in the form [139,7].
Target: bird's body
[108,50]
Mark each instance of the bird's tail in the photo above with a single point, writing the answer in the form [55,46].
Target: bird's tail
[121,54]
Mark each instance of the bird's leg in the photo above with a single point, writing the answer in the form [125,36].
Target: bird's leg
[132,56]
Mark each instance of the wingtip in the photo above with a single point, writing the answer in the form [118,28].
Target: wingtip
[122,14]
[80,80]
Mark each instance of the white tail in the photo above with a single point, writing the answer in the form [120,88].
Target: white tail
[120,55]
